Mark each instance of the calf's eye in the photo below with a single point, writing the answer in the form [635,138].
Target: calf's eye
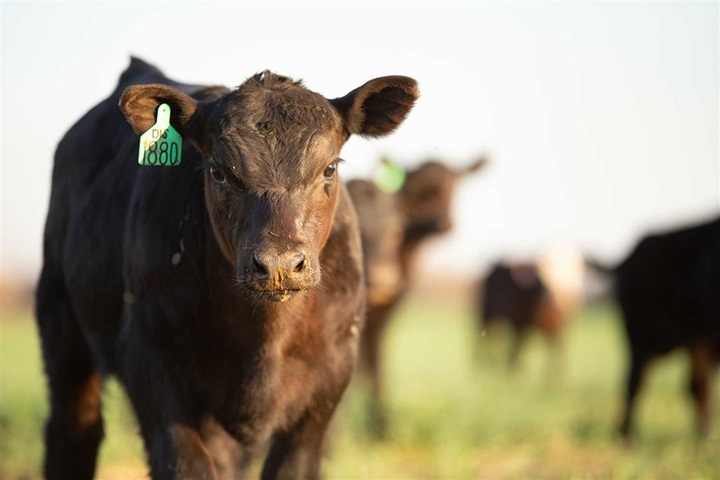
[217,175]
[330,170]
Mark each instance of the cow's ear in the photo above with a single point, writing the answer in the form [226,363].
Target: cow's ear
[478,164]
[379,106]
[139,104]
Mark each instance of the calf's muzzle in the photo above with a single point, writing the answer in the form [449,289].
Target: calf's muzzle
[273,271]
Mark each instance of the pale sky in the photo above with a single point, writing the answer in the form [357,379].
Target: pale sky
[601,119]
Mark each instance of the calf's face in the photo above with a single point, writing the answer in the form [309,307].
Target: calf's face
[427,194]
[271,153]
[381,226]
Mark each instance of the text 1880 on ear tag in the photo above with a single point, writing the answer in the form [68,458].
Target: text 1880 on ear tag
[161,145]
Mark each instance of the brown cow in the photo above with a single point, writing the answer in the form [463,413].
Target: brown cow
[225,292]
[517,294]
[393,227]
[540,295]
[382,225]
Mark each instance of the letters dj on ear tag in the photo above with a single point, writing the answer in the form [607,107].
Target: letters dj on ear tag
[161,145]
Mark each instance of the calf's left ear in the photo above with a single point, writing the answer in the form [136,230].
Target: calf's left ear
[378,107]
[139,104]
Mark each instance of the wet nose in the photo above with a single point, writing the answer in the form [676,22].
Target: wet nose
[280,271]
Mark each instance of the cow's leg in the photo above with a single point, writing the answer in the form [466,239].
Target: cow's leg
[550,320]
[519,338]
[371,366]
[169,424]
[484,339]
[230,459]
[702,366]
[296,454]
[75,428]
[189,456]
[635,378]
[175,450]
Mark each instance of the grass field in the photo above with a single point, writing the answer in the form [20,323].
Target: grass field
[453,416]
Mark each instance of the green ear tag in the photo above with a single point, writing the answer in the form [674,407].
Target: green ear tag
[161,144]
[390,177]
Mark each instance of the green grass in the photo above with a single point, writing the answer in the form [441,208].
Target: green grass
[24,408]
[455,410]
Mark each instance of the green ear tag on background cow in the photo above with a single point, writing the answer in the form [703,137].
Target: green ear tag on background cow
[161,144]
[390,177]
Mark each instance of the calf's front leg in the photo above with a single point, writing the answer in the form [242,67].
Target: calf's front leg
[170,424]
[295,454]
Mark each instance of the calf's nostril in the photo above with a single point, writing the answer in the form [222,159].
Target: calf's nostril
[258,268]
[300,265]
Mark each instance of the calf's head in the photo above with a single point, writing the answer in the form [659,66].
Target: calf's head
[426,197]
[382,226]
[271,150]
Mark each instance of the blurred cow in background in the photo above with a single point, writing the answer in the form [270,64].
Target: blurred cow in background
[383,227]
[539,295]
[668,289]
[393,226]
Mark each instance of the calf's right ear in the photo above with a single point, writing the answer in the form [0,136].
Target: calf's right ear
[479,163]
[139,104]
[378,107]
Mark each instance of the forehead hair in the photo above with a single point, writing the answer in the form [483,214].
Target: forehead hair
[430,174]
[432,168]
[272,130]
